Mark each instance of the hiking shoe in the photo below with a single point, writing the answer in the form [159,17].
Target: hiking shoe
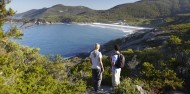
[93,92]
[111,89]
[100,90]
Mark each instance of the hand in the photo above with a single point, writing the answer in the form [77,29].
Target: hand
[102,69]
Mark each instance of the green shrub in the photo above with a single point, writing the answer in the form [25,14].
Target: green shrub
[177,27]
[162,80]
[106,80]
[126,87]
[175,40]
[128,53]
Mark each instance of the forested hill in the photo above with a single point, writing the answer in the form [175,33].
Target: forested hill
[151,8]
[140,9]
[57,10]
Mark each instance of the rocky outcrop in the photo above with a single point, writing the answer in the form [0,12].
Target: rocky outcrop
[139,40]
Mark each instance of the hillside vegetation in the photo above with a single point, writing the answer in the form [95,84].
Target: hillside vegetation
[151,8]
[144,9]
[159,59]
[24,71]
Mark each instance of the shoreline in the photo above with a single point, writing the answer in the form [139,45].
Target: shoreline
[125,28]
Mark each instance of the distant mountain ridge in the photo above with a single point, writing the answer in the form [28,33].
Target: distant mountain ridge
[57,10]
[139,9]
[34,13]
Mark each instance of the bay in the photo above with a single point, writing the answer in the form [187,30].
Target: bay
[67,39]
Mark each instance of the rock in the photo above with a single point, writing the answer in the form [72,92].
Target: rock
[141,90]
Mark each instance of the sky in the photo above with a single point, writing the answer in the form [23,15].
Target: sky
[25,5]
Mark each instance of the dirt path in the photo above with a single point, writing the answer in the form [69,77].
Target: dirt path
[106,90]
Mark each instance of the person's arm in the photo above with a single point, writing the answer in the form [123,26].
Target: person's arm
[100,61]
[113,58]
[112,63]
[90,60]
[101,64]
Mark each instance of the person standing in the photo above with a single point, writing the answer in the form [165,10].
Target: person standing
[115,70]
[97,67]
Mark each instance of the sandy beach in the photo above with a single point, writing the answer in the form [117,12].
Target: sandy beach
[124,28]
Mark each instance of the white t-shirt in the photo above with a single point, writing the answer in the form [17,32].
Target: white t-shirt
[114,59]
[95,59]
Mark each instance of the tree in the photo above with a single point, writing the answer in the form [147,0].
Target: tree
[4,14]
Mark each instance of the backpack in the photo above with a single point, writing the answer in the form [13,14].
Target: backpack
[120,61]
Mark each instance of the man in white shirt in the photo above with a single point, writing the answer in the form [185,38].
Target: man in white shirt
[115,71]
[97,67]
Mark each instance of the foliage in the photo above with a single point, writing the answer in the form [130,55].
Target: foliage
[177,27]
[127,86]
[82,71]
[169,20]
[174,40]
[24,70]
[161,79]
[169,65]
[128,53]
[149,54]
